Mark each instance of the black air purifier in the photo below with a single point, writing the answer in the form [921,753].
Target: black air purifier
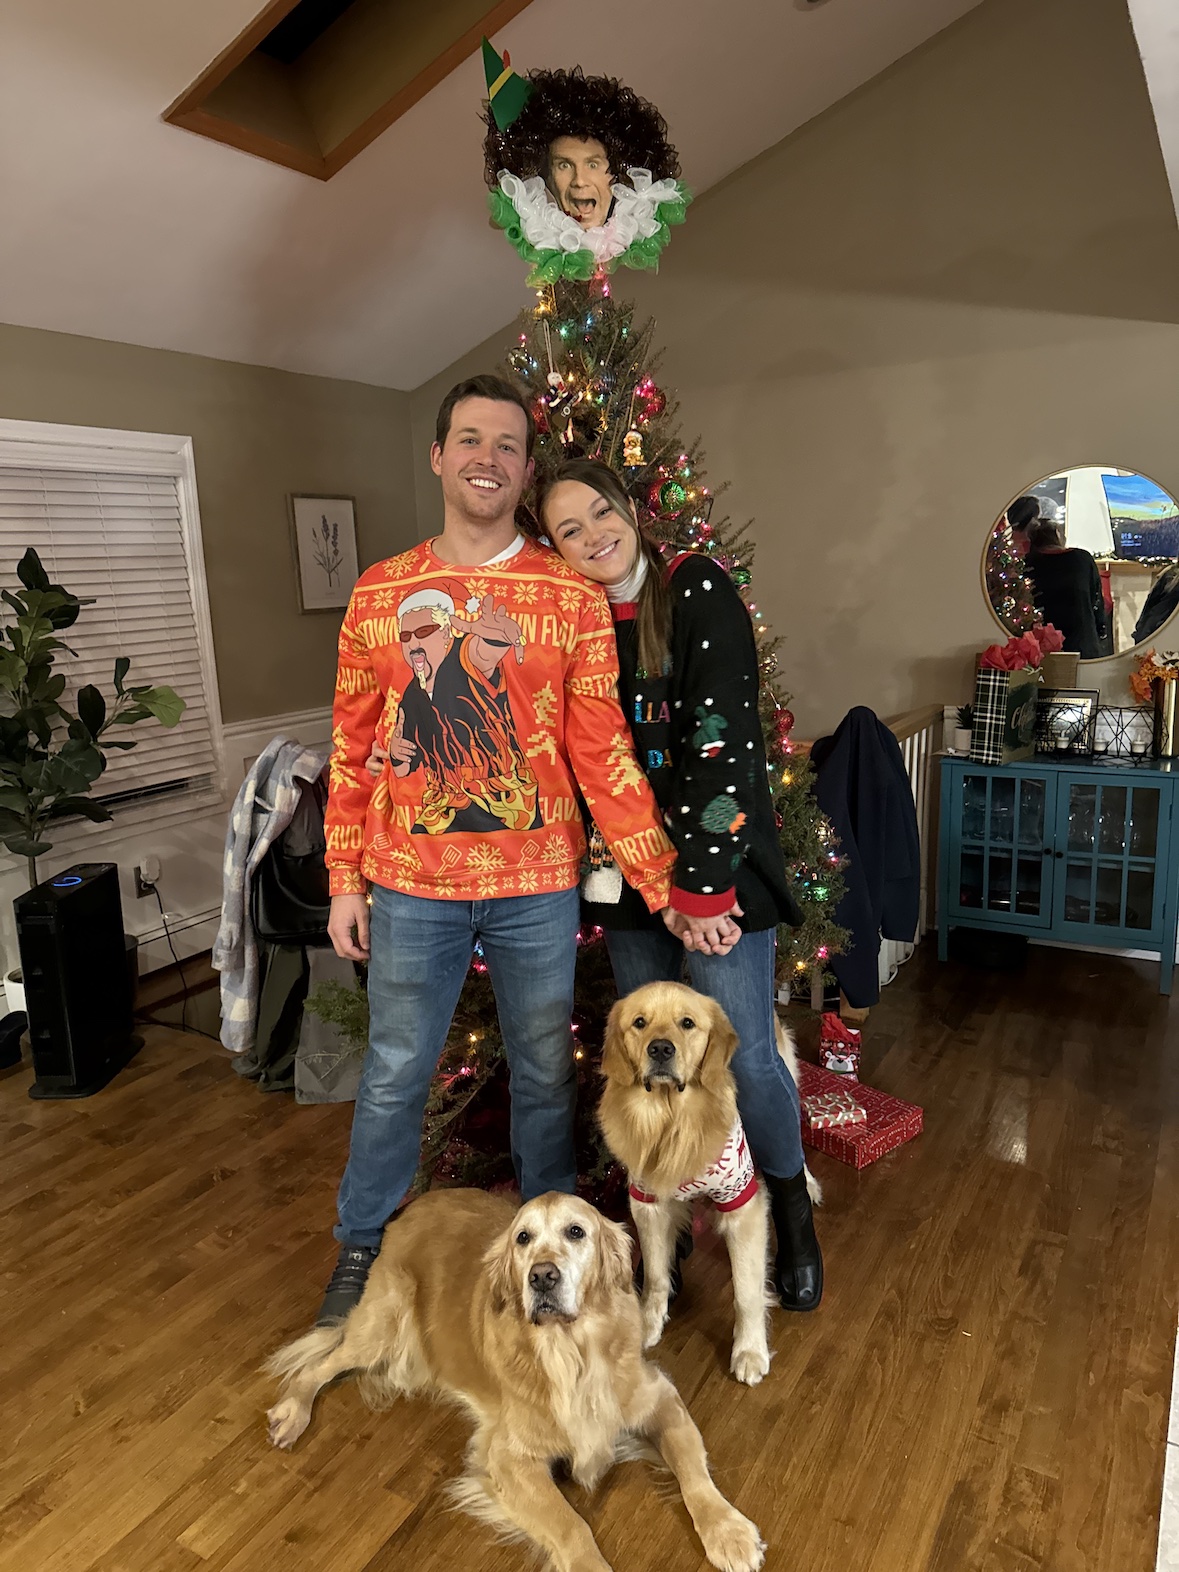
[77,983]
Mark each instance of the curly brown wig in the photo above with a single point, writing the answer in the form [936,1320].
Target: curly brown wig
[569,103]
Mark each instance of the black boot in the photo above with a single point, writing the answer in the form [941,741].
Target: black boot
[798,1269]
[347,1282]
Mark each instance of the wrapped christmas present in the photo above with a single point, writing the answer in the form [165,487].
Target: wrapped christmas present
[826,1110]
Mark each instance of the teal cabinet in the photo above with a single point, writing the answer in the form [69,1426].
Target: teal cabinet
[1078,852]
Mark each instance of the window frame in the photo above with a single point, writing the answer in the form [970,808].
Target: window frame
[48,446]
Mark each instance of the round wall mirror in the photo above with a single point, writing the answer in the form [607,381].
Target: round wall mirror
[1095,552]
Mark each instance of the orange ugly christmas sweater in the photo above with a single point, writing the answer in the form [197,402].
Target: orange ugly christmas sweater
[494,691]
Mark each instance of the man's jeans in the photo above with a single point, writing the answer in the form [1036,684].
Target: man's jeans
[421,951]
[742,983]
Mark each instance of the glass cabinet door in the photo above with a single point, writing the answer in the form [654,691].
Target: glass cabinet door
[1109,839]
[1002,859]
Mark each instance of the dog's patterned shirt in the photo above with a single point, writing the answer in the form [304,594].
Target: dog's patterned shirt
[728,1184]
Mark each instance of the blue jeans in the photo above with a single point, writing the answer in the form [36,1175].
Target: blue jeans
[742,983]
[421,951]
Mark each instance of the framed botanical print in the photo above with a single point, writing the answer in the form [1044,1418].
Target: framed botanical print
[326,566]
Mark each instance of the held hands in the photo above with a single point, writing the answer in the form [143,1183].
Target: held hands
[706,935]
[348,927]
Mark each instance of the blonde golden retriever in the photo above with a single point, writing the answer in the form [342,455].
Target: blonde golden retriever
[669,1115]
[529,1320]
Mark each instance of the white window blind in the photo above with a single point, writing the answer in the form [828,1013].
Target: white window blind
[119,538]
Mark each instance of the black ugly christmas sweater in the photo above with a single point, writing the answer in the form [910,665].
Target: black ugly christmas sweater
[698,736]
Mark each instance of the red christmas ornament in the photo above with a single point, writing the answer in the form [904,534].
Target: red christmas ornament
[654,402]
[654,502]
[784,721]
[540,415]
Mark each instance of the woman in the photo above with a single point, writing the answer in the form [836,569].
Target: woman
[1067,589]
[1021,515]
[688,684]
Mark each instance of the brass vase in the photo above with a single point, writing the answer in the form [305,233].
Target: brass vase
[1165,691]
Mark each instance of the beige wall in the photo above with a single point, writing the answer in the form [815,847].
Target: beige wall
[960,279]
[257,436]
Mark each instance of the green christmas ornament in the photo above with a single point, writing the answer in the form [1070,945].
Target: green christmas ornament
[672,496]
[507,92]
[722,816]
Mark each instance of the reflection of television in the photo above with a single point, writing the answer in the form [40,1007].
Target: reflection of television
[1133,539]
[1143,518]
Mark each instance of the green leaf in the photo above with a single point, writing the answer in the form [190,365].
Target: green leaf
[30,572]
[109,742]
[122,667]
[21,846]
[83,806]
[165,704]
[91,709]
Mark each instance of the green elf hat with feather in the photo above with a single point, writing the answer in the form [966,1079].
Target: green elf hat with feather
[507,91]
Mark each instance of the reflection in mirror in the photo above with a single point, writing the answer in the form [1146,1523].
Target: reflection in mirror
[1094,551]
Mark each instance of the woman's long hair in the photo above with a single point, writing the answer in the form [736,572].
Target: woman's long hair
[653,620]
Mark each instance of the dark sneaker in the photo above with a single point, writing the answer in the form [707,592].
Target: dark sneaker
[353,1265]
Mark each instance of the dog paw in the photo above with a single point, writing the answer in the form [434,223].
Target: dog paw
[732,1543]
[287,1422]
[653,1323]
[749,1365]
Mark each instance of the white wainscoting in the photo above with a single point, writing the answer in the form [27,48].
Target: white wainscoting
[186,834]
[921,738]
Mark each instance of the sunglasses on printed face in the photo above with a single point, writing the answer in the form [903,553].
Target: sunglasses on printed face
[422,632]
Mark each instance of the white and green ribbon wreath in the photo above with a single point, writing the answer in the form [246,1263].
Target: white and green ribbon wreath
[556,246]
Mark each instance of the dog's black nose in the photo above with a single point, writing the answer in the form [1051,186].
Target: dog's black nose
[659,1050]
[544,1277]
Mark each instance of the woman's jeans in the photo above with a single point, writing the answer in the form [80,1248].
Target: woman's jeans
[421,951]
[742,983]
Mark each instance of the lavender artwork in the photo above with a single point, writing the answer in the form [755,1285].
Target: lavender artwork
[325,551]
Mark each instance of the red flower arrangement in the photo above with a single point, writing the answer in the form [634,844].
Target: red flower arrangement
[1025,652]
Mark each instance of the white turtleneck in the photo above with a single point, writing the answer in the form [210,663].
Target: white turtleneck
[627,589]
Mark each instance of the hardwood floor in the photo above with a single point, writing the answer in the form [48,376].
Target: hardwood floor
[986,1385]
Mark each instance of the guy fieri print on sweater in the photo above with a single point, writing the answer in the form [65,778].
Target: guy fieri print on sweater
[494,691]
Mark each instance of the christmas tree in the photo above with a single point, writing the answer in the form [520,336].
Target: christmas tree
[1008,588]
[588,369]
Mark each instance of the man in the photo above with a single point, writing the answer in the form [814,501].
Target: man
[486,670]
[580,179]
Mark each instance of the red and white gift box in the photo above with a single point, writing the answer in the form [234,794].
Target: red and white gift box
[888,1122]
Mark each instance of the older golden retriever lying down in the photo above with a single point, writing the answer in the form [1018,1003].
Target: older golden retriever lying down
[528,1318]
[669,1115]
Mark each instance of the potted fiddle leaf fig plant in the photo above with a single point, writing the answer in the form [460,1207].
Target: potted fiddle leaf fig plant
[50,755]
